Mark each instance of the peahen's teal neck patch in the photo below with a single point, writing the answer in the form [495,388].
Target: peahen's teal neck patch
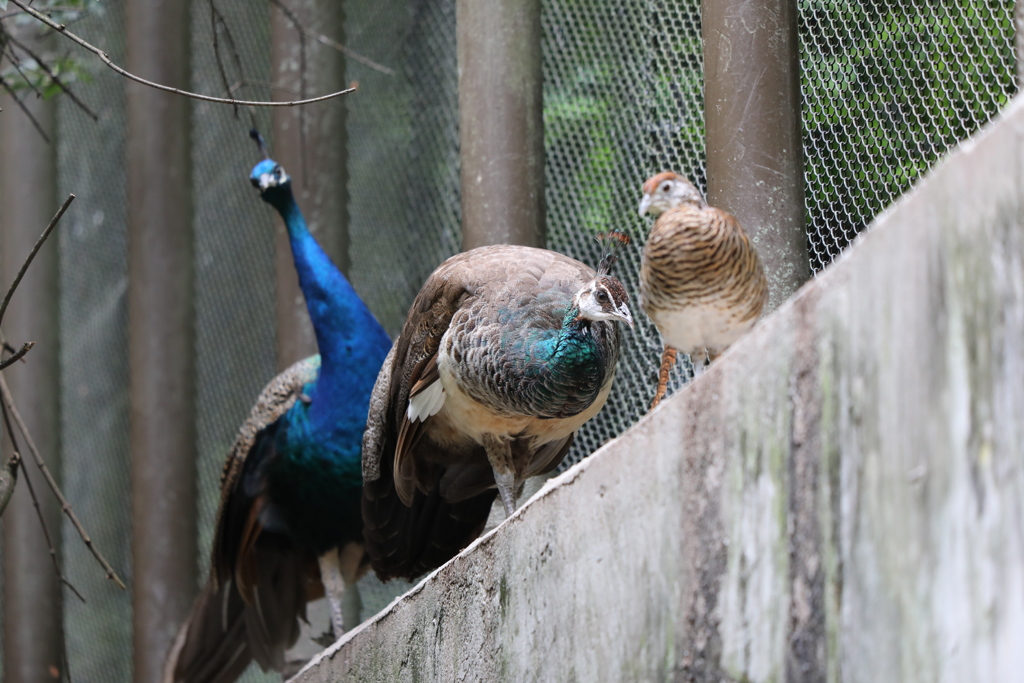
[568,365]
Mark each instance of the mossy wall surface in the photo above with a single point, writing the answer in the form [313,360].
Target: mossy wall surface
[840,498]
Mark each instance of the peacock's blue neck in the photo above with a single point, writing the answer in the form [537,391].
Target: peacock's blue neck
[352,343]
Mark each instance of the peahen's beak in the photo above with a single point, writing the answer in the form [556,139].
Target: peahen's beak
[622,313]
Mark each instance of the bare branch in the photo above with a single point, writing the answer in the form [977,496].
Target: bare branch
[333,44]
[59,575]
[215,16]
[54,77]
[49,540]
[32,254]
[14,96]
[65,506]
[61,28]
[18,355]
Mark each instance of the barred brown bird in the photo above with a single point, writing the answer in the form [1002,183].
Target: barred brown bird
[701,280]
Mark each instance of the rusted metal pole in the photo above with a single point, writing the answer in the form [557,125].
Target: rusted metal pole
[752,115]
[32,605]
[501,126]
[310,143]
[161,331]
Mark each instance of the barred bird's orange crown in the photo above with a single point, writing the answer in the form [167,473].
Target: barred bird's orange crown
[667,190]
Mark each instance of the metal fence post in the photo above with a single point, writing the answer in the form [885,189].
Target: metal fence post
[32,600]
[310,143]
[161,331]
[754,145]
[501,126]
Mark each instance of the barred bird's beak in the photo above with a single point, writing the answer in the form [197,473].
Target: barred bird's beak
[645,204]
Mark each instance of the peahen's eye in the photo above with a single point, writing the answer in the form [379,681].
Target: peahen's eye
[666,187]
[601,296]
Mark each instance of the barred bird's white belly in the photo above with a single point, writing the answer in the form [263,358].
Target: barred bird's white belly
[694,328]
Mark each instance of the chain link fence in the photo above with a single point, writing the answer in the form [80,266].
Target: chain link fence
[887,88]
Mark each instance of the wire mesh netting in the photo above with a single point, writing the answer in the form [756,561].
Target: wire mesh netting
[887,89]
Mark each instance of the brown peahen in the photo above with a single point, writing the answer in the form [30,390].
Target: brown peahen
[505,353]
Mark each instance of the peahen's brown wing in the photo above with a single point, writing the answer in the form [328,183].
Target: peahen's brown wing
[408,527]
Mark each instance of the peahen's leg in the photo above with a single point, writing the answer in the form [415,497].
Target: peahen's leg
[499,454]
[668,359]
[334,588]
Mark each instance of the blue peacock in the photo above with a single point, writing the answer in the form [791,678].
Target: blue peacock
[289,519]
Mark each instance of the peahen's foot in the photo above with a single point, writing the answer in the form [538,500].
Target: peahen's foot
[499,454]
[327,638]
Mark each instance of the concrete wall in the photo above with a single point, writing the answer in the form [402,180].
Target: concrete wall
[840,497]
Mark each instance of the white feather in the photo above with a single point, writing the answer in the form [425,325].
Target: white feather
[426,403]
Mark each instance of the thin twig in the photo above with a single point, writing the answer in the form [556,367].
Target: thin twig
[233,47]
[35,503]
[49,540]
[302,83]
[65,506]
[14,96]
[18,355]
[61,579]
[61,28]
[335,45]
[16,63]
[55,78]
[214,17]
[32,254]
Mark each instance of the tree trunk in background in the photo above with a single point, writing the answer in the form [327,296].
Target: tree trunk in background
[501,124]
[161,331]
[310,143]
[32,598]
[754,148]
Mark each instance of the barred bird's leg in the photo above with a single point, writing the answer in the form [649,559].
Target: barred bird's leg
[668,359]
[499,454]
[334,588]
[700,361]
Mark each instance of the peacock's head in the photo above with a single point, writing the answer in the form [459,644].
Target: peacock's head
[667,190]
[268,175]
[603,298]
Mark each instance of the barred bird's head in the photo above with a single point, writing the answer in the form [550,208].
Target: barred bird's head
[667,190]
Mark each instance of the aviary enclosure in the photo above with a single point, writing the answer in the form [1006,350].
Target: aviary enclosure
[885,90]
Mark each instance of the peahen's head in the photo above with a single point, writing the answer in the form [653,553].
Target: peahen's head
[603,298]
[667,190]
